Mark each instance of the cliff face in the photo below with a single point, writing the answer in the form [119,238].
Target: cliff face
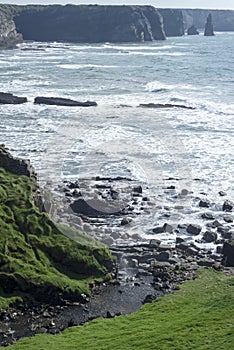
[8,34]
[172,21]
[91,23]
[223,20]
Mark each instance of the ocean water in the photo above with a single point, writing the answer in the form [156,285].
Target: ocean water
[194,148]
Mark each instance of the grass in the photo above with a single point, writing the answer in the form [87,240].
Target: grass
[37,261]
[199,316]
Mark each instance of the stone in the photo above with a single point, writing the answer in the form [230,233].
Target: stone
[228,255]
[161,105]
[6,98]
[228,205]
[222,193]
[192,30]
[137,189]
[228,218]
[207,216]
[162,229]
[225,232]
[162,256]
[149,298]
[194,229]
[210,236]
[125,221]
[209,30]
[59,101]
[204,203]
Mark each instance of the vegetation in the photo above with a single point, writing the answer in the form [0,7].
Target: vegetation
[199,316]
[37,262]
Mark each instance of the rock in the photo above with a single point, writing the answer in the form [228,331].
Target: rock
[92,208]
[149,298]
[222,193]
[162,256]
[194,229]
[162,229]
[6,98]
[219,249]
[137,189]
[225,232]
[173,22]
[207,216]
[209,30]
[192,30]
[228,218]
[204,203]
[125,221]
[228,255]
[161,105]
[58,101]
[210,236]
[228,205]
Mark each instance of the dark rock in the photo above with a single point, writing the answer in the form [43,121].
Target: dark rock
[228,255]
[110,314]
[137,189]
[225,232]
[6,98]
[204,203]
[163,105]
[206,262]
[162,256]
[125,221]
[57,101]
[192,30]
[222,194]
[207,216]
[194,229]
[210,236]
[228,205]
[209,30]
[165,228]
[149,298]
[92,208]
[219,249]
[228,218]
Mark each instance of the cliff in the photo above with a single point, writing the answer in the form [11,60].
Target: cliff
[8,34]
[37,261]
[89,23]
[223,20]
[172,22]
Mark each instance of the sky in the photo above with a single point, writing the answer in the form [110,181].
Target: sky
[210,4]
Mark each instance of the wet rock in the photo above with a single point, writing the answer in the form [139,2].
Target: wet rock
[161,105]
[194,229]
[162,256]
[225,232]
[154,243]
[219,249]
[228,205]
[228,218]
[125,221]
[137,189]
[210,236]
[6,98]
[162,229]
[207,216]
[63,102]
[204,203]
[222,194]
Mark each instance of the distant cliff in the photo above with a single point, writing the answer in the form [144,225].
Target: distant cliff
[89,23]
[172,21]
[223,20]
[8,34]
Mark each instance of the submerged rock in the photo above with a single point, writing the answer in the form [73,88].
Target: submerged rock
[58,101]
[6,98]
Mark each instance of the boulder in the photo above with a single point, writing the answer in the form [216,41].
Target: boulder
[210,236]
[6,98]
[228,255]
[58,101]
[192,30]
[228,205]
[204,203]
[92,208]
[194,229]
[209,30]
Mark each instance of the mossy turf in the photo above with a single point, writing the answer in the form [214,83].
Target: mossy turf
[199,316]
[37,261]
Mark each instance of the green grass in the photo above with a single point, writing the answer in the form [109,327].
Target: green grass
[37,261]
[199,316]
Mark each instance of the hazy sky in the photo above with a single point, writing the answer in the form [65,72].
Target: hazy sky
[211,4]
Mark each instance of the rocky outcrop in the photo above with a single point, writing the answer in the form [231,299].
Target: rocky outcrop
[58,101]
[172,21]
[209,30]
[223,20]
[192,30]
[6,98]
[9,37]
[163,105]
[90,23]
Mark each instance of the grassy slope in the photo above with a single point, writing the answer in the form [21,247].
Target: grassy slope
[35,258]
[199,317]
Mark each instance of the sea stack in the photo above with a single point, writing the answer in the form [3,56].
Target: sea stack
[209,30]
[192,30]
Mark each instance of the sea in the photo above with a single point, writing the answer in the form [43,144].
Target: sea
[177,155]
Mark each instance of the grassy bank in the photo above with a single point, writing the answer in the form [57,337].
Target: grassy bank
[199,316]
[37,262]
